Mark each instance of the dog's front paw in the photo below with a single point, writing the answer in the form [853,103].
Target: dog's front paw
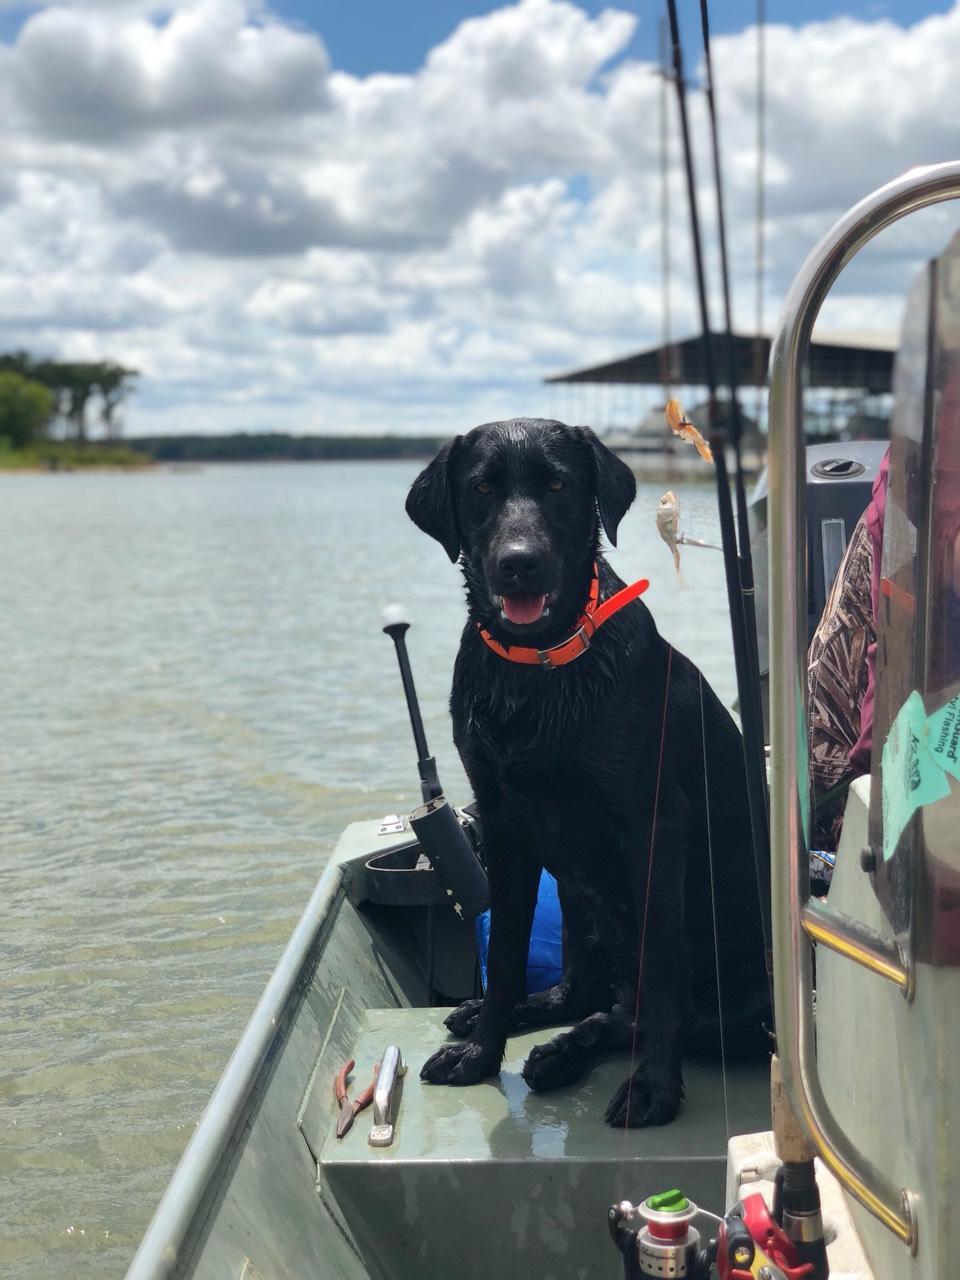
[460,1064]
[641,1103]
[560,1061]
[464,1018]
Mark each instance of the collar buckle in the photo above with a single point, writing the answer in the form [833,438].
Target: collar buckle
[584,636]
[563,651]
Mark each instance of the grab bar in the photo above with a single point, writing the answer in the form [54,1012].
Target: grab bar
[862,945]
[385,1097]
[793,983]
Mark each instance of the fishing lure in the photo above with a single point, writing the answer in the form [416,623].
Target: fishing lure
[680,426]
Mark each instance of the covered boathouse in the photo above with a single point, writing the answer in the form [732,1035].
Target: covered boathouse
[849,389]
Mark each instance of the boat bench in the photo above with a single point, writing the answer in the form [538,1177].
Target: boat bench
[479,1176]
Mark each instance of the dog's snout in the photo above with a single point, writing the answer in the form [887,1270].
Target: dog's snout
[520,563]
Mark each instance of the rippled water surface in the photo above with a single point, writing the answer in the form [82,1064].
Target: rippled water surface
[196,697]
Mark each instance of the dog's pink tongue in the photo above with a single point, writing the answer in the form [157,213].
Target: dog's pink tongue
[523,609]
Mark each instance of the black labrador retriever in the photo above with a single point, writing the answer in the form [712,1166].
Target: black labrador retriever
[617,771]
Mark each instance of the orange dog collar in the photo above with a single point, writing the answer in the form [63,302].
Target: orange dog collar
[593,617]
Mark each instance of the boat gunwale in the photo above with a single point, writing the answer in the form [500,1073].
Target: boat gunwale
[160,1250]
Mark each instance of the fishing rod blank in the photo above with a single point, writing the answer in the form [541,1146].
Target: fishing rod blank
[750,708]
[745,556]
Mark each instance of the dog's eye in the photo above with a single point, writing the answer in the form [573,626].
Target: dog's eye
[556,486]
[482,487]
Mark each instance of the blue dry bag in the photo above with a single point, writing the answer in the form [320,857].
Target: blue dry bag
[545,959]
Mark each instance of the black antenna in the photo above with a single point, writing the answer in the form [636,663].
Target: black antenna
[748,690]
[442,835]
[396,626]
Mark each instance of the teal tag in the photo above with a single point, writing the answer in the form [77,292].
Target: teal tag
[943,736]
[911,778]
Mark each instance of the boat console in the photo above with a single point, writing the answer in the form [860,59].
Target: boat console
[473,1178]
[484,1173]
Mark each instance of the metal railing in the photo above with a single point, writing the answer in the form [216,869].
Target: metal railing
[859,943]
[795,919]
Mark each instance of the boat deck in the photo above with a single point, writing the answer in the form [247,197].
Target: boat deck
[486,1181]
[458,1183]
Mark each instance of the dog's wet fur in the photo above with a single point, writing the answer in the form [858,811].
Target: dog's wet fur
[567,767]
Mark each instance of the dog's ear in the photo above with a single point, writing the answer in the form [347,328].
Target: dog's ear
[430,502]
[614,484]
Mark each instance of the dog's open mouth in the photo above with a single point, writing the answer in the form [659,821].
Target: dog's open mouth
[523,610]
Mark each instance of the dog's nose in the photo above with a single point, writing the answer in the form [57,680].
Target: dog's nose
[520,563]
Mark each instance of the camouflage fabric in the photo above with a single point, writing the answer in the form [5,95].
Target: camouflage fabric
[836,684]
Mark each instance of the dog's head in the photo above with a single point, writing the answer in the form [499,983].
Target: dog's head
[521,504]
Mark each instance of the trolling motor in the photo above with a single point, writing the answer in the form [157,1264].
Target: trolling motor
[442,835]
[750,1245]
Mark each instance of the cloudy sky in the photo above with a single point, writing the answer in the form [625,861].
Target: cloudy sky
[375,216]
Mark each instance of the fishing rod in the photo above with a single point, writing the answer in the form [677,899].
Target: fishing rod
[796,1207]
[760,209]
[736,424]
[751,716]
[745,554]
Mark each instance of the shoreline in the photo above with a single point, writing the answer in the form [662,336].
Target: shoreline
[659,472]
[182,455]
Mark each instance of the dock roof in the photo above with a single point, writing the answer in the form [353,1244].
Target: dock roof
[853,360]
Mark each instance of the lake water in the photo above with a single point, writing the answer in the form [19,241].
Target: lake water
[196,697]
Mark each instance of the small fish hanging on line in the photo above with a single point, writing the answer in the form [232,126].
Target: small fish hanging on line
[680,426]
[668,526]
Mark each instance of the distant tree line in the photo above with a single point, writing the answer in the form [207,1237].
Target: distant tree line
[277,447]
[40,397]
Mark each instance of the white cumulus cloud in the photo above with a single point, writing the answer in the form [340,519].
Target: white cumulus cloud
[88,75]
[193,189]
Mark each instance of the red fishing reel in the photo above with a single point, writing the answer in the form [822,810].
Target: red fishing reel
[750,1246]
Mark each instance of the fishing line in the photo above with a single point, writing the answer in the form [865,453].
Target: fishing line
[713,908]
[666,352]
[646,899]
[736,424]
[747,688]
[707,1214]
[760,212]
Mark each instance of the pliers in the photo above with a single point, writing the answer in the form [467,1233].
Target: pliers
[348,1109]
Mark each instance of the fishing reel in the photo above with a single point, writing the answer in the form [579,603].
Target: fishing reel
[749,1244]
[666,1244]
